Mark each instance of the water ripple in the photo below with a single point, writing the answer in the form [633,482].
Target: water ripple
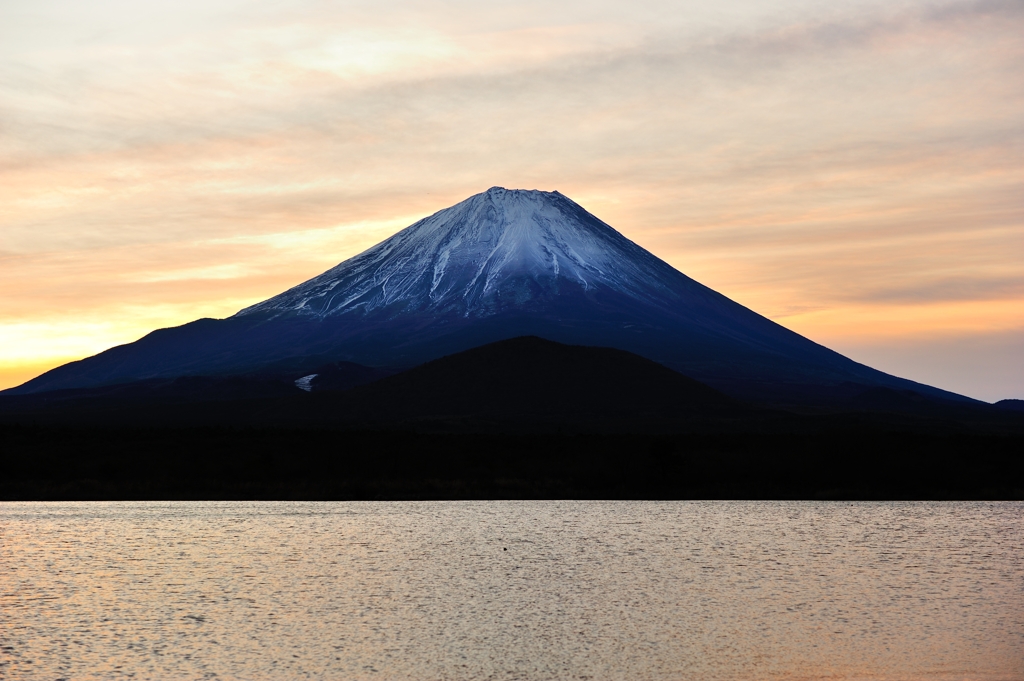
[512,590]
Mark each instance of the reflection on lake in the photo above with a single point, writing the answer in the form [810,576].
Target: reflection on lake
[512,590]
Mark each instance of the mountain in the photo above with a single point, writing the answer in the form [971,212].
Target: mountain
[494,386]
[1010,405]
[498,383]
[501,264]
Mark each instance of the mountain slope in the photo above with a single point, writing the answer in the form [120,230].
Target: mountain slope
[530,380]
[495,252]
[500,264]
[492,386]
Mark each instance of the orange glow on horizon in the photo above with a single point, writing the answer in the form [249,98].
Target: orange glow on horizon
[853,174]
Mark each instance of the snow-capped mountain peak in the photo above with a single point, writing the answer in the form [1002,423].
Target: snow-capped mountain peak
[498,249]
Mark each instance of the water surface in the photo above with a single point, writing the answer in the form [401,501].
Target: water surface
[512,590]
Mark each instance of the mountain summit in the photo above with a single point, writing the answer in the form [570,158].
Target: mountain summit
[502,250]
[501,264]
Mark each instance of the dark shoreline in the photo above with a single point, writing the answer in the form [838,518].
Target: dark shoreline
[70,463]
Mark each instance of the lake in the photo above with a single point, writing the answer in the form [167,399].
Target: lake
[512,590]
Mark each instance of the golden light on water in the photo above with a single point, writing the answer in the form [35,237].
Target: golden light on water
[722,591]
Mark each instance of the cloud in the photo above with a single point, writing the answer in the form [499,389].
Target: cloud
[950,289]
[856,159]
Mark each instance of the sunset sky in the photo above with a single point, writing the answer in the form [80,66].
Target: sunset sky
[852,170]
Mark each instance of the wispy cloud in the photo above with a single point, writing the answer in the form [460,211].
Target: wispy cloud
[857,159]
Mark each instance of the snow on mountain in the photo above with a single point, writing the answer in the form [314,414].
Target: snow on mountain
[495,250]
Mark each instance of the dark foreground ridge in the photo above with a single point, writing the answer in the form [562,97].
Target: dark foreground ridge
[519,385]
[844,461]
[518,419]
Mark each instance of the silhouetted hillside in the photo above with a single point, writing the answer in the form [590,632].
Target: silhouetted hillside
[534,381]
[520,385]
[518,419]
[843,461]
[345,375]
[1010,405]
